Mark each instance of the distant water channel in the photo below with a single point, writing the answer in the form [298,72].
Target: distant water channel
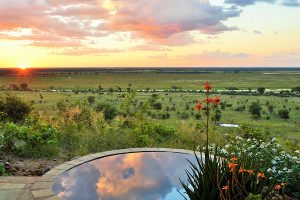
[229,125]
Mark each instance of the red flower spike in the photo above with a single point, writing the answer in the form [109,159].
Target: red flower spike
[198,106]
[217,100]
[207,86]
[209,100]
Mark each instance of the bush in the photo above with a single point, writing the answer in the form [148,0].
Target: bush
[261,90]
[109,111]
[283,114]
[91,99]
[255,110]
[157,106]
[278,165]
[32,137]
[12,108]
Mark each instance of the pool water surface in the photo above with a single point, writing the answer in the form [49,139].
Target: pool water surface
[131,176]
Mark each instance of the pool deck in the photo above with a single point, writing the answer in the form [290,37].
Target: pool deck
[39,188]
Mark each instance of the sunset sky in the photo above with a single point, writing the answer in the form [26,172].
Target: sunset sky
[146,33]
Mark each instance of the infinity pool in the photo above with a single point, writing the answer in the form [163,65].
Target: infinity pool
[131,176]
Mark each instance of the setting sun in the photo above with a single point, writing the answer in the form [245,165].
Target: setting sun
[23,66]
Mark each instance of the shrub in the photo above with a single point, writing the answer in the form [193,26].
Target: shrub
[255,110]
[32,137]
[12,108]
[24,86]
[278,165]
[109,111]
[157,106]
[261,90]
[91,99]
[283,114]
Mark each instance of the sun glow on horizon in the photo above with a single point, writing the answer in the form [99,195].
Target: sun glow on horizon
[23,66]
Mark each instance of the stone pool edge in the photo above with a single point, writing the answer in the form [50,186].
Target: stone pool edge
[42,188]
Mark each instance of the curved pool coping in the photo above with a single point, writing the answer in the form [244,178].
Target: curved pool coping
[42,188]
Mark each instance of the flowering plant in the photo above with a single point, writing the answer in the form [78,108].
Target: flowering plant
[223,173]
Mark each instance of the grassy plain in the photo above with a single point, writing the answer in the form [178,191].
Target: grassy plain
[142,80]
[287,130]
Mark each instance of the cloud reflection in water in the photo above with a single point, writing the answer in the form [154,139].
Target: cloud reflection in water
[132,176]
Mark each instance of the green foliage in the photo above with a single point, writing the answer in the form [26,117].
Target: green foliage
[261,90]
[270,108]
[12,108]
[221,178]
[254,197]
[109,111]
[296,89]
[157,106]
[2,169]
[91,99]
[255,110]
[283,114]
[32,137]
[270,158]
[217,116]
[203,178]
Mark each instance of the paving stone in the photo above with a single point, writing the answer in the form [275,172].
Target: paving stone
[28,186]
[18,179]
[88,158]
[26,195]
[55,172]
[8,186]
[42,193]
[75,162]
[53,198]
[98,155]
[12,194]
[47,178]
[41,185]
[64,166]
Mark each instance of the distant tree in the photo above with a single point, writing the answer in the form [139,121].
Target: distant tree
[109,111]
[174,87]
[100,88]
[261,90]
[24,86]
[223,105]
[157,106]
[217,116]
[111,91]
[255,110]
[233,88]
[270,108]
[119,89]
[91,99]
[283,114]
[129,87]
[14,87]
[296,89]
[12,108]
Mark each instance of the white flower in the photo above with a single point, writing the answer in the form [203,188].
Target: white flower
[227,145]
[274,162]
[238,138]
[297,151]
